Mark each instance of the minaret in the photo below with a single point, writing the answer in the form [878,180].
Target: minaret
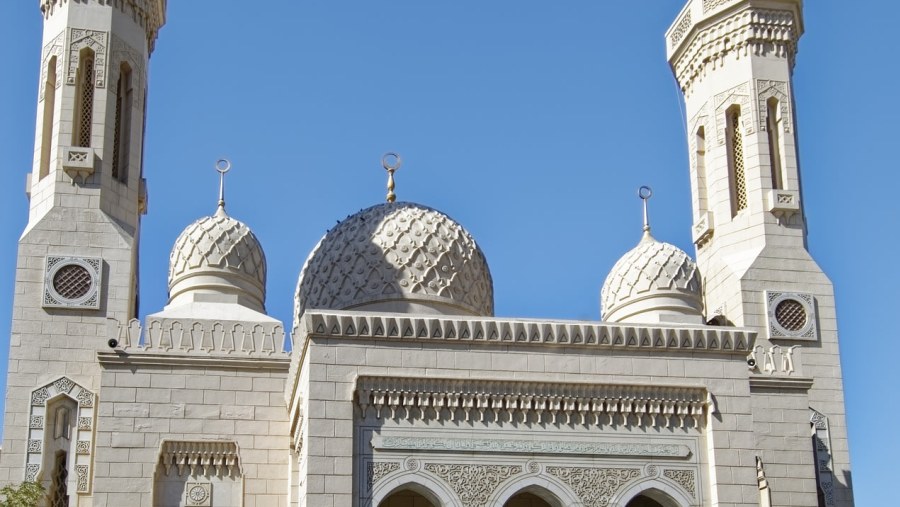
[734,60]
[77,258]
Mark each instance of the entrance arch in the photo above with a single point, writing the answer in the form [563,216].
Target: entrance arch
[653,493]
[526,499]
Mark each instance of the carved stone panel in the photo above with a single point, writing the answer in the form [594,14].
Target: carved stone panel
[97,41]
[473,483]
[595,486]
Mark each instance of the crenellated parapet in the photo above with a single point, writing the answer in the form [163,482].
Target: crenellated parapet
[708,32]
[148,14]
[199,338]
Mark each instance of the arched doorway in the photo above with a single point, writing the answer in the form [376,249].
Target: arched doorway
[406,498]
[643,501]
[526,500]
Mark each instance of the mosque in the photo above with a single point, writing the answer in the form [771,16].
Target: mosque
[709,382]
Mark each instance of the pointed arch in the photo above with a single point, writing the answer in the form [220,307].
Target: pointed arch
[548,488]
[737,177]
[59,407]
[661,492]
[82,121]
[436,492]
[47,115]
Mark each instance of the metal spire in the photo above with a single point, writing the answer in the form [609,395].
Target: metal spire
[645,193]
[222,167]
[391,162]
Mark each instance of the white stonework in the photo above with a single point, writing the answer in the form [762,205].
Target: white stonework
[709,383]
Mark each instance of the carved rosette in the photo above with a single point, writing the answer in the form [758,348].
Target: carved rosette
[84,430]
[474,484]
[595,486]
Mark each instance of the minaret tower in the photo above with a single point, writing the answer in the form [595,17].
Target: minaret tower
[77,259]
[734,60]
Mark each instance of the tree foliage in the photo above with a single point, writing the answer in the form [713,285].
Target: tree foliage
[26,494]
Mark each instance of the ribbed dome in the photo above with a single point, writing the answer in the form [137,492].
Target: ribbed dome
[652,279]
[218,254]
[397,257]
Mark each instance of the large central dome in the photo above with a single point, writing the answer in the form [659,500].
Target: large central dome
[397,257]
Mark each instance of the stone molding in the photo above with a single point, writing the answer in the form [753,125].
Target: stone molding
[531,447]
[357,325]
[139,358]
[198,337]
[200,457]
[780,383]
[53,48]
[532,402]
[751,31]
[148,14]
[83,437]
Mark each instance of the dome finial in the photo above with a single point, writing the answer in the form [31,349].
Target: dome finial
[391,162]
[645,193]
[222,167]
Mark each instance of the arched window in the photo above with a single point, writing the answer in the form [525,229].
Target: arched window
[47,118]
[737,176]
[406,498]
[58,437]
[84,100]
[700,160]
[773,126]
[122,133]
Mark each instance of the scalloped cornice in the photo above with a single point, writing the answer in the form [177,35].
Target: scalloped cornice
[149,14]
[358,325]
[700,41]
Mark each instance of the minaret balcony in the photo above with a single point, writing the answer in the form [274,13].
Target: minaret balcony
[783,203]
[78,163]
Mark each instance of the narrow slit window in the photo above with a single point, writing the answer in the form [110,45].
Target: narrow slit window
[773,126]
[47,118]
[736,171]
[700,157]
[84,107]
[122,133]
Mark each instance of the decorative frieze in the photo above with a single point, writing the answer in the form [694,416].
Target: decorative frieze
[681,28]
[532,402]
[748,32]
[595,486]
[53,48]
[521,446]
[355,325]
[96,41]
[773,360]
[148,14]
[192,457]
[473,483]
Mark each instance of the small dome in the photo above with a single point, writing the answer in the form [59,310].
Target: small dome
[654,281]
[218,255]
[397,257]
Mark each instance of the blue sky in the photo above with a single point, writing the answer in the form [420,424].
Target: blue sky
[531,123]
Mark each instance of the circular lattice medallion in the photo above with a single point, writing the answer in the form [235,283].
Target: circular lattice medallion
[791,315]
[72,282]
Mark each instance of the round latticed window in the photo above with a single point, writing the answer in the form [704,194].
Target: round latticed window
[791,315]
[72,282]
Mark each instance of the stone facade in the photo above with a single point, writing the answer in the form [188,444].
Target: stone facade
[709,383]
